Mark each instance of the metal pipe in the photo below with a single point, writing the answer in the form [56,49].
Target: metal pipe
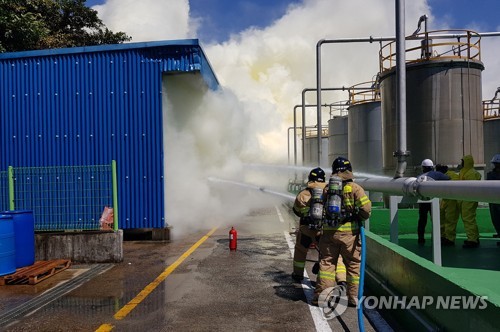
[303,130]
[343,88]
[295,137]
[318,102]
[463,190]
[496,94]
[399,186]
[401,153]
[370,39]
[475,191]
[456,35]
[304,119]
[422,18]
[318,70]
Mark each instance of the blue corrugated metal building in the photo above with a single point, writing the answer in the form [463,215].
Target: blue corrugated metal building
[91,105]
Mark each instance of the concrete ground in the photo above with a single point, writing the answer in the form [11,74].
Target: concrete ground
[169,286]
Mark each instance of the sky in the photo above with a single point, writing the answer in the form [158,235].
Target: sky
[263,54]
[221,18]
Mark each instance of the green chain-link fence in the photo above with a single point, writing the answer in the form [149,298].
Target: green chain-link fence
[62,198]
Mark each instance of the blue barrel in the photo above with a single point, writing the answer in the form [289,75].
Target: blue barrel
[24,230]
[7,246]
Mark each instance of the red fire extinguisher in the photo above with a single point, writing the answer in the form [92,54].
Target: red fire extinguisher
[233,239]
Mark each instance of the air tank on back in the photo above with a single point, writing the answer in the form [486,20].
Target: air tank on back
[491,112]
[444,117]
[364,126]
[337,132]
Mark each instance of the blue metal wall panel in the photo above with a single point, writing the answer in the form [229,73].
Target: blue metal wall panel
[88,106]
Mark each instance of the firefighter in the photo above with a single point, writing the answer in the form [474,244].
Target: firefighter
[468,209]
[307,235]
[342,239]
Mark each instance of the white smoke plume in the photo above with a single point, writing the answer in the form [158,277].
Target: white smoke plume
[263,72]
[149,20]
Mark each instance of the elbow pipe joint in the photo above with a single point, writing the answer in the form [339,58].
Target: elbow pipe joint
[410,187]
[416,184]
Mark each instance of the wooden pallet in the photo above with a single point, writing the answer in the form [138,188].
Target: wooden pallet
[35,273]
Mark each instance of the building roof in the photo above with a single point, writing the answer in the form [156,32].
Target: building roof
[200,63]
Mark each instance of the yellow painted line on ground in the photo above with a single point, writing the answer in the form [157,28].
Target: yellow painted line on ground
[126,309]
[104,328]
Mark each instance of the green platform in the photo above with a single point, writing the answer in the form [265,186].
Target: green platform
[407,269]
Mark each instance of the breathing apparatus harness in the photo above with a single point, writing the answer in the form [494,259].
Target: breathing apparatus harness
[335,212]
[328,209]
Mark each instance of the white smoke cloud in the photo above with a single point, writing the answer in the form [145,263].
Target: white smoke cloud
[203,140]
[268,68]
[149,20]
[263,72]
[490,47]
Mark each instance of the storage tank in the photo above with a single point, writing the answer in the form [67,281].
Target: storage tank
[311,148]
[444,105]
[491,127]
[337,138]
[365,133]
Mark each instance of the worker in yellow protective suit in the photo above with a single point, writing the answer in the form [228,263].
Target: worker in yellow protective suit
[449,212]
[307,233]
[468,208]
[341,238]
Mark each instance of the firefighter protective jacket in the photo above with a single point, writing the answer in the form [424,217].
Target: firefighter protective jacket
[355,202]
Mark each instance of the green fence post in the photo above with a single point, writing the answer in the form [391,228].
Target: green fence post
[115,195]
[11,188]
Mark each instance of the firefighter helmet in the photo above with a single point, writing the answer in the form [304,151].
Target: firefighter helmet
[317,174]
[341,164]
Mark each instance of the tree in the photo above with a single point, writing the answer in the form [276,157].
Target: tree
[39,24]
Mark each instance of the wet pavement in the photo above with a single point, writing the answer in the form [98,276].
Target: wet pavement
[211,289]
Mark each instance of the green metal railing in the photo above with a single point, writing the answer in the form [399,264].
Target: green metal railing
[62,198]
[4,192]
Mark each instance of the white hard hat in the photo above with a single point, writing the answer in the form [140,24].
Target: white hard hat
[427,163]
[496,159]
